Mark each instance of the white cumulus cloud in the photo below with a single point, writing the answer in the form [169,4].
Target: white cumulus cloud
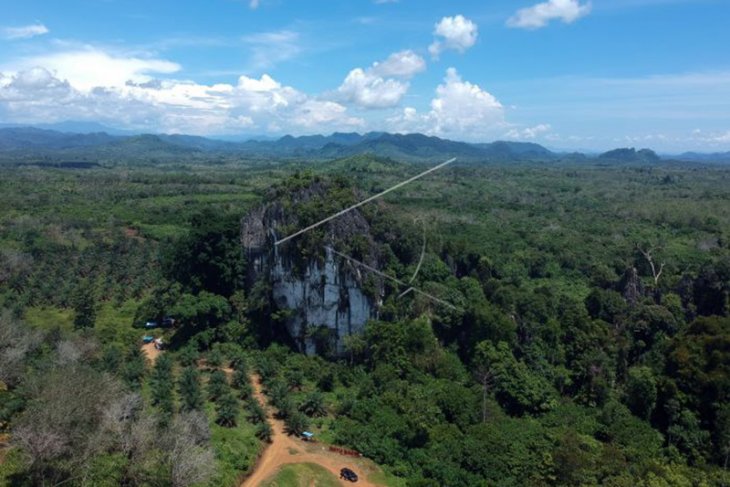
[460,109]
[254,104]
[368,90]
[711,137]
[87,68]
[24,32]
[541,14]
[376,87]
[457,33]
[402,64]
[528,133]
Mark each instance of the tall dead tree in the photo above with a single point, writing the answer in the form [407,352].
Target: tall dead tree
[485,375]
[650,259]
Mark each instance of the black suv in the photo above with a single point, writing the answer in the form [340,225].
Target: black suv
[348,474]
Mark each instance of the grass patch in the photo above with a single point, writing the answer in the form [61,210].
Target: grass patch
[114,323]
[161,231]
[236,450]
[384,478]
[11,467]
[48,318]
[302,475]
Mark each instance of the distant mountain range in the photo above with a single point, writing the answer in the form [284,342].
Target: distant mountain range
[28,142]
[415,147]
[703,157]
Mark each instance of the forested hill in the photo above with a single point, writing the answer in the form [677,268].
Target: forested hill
[76,142]
[414,147]
[23,144]
[31,144]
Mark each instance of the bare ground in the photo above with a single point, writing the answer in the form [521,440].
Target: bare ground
[150,352]
[4,446]
[285,449]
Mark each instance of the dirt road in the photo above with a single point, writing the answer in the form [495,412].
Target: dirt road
[285,449]
[4,446]
[150,352]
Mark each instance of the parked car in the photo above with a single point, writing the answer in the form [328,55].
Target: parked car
[148,339]
[151,324]
[348,475]
[168,321]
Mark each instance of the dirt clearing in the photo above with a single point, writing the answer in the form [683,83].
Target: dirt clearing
[287,450]
[151,352]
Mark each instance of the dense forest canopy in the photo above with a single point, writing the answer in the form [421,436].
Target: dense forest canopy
[589,342]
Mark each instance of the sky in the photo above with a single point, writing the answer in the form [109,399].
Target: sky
[568,74]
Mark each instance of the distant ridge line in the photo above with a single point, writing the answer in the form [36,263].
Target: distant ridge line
[414,147]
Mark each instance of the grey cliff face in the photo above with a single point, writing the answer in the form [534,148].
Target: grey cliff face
[323,293]
[326,296]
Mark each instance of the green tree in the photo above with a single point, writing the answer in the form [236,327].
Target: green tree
[263,431]
[112,359]
[209,257]
[634,436]
[313,405]
[162,383]
[355,346]
[198,312]
[326,381]
[699,361]
[255,413]
[687,435]
[134,368]
[214,359]
[217,385]
[245,392]
[189,356]
[517,388]
[240,362]
[296,423]
[240,379]
[227,410]
[507,451]
[278,393]
[574,463]
[722,434]
[294,379]
[190,392]
[84,304]
[641,391]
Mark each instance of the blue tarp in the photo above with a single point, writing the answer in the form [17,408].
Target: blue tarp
[307,434]
[147,339]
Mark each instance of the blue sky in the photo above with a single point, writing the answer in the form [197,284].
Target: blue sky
[569,74]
